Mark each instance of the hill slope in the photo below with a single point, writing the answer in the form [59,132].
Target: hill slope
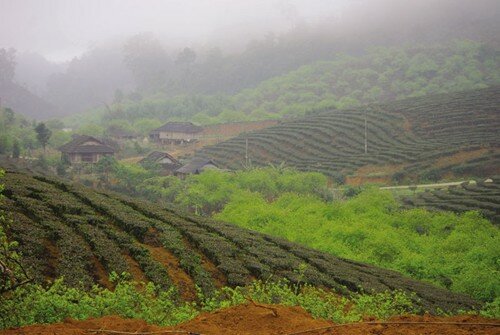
[484,197]
[26,103]
[379,75]
[418,136]
[83,235]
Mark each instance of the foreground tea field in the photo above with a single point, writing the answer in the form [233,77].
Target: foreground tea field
[424,138]
[83,235]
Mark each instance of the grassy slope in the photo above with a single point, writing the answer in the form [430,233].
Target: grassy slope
[408,136]
[71,231]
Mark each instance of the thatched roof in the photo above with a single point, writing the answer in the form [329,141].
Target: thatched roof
[178,127]
[196,165]
[156,156]
[86,144]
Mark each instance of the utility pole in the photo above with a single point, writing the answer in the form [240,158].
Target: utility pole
[366,140]
[246,151]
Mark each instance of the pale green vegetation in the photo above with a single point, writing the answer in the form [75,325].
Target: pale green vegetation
[18,135]
[459,252]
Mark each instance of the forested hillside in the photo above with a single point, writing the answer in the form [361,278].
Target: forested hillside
[416,139]
[382,74]
[83,235]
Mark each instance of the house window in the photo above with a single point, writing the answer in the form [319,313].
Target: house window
[88,158]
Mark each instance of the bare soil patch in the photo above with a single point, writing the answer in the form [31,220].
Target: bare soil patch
[180,278]
[135,270]
[219,278]
[380,174]
[272,320]
[101,274]
[407,125]
[459,157]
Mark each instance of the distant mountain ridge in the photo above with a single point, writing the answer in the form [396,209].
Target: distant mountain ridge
[26,103]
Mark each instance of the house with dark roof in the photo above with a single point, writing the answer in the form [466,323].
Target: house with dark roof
[164,160]
[85,149]
[196,166]
[176,132]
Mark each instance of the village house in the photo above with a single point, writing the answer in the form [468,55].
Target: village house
[165,161]
[176,132]
[85,149]
[196,166]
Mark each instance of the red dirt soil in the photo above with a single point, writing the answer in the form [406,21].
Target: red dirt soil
[100,274]
[379,174]
[268,320]
[460,157]
[135,270]
[180,278]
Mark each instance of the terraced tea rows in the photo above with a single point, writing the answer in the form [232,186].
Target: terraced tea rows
[482,196]
[83,235]
[412,134]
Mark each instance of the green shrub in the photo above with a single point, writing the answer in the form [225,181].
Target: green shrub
[34,304]
[448,249]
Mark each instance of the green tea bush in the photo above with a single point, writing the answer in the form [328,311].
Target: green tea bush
[36,304]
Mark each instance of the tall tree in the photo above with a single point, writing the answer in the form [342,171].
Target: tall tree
[16,149]
[9,116]
[43,134]
[186,57]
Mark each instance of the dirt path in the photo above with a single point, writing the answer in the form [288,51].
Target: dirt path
[405,187]
[271,320]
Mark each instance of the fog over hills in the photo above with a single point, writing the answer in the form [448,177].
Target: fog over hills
[63,47]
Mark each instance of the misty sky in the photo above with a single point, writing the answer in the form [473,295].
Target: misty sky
[62,29]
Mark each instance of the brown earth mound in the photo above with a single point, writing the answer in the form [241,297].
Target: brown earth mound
[254,319]
[268,320]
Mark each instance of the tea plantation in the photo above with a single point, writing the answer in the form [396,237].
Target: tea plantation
[410,138]
[481,196]
[84,235]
